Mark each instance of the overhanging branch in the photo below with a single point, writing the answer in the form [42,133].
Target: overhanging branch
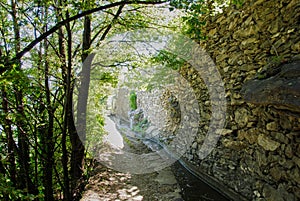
[63,22]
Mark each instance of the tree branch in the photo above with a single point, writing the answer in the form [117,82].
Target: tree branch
[78,16]
[112,22]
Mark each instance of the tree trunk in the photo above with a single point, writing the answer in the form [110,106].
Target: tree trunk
[78,143]
[77,153]
[24,174]
[84,80]
[86,71]
[66,188]
[49,143]
[9,138]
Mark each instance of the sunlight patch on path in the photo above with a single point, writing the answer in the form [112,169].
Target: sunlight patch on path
[114,138]
[108,185]
[91,196]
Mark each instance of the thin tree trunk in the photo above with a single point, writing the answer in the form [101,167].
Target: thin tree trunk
[77,153]
[84,80]
[3,172]
[49,144]
[24,177]
[9,137]
[77,143]
[67,195]
[10,140]
[66,189]
[86,71]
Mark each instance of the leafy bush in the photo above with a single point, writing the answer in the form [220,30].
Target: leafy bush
[132,100]
[192,24]
[169,59]
[8,191]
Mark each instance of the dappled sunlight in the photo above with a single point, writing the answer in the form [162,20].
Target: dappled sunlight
[109,185]
[91,196]
[132,194]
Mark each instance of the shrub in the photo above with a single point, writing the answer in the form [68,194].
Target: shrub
[132,100]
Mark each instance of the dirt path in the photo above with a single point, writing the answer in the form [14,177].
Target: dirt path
[111,185]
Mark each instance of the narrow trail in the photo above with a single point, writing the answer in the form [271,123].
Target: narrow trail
[173,183]
[110,185]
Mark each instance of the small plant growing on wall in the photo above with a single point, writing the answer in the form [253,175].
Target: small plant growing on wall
[132,100]
[141,126]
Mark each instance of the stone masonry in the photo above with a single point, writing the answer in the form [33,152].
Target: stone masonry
[258,154]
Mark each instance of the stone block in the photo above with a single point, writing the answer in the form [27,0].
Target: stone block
[280,90]
[271,194]
[296,160]
[295,175]
[289,151]
[276,173]
[272,126]
[285,123]
[235,145]
[224,132]
[241,117]
[250,135]
[267,143]
[280,137]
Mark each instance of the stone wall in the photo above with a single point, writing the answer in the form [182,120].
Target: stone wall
[170,110]
[121,106]
[150,103]
[258,154]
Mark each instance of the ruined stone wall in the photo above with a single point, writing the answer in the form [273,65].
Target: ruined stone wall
[258,154]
